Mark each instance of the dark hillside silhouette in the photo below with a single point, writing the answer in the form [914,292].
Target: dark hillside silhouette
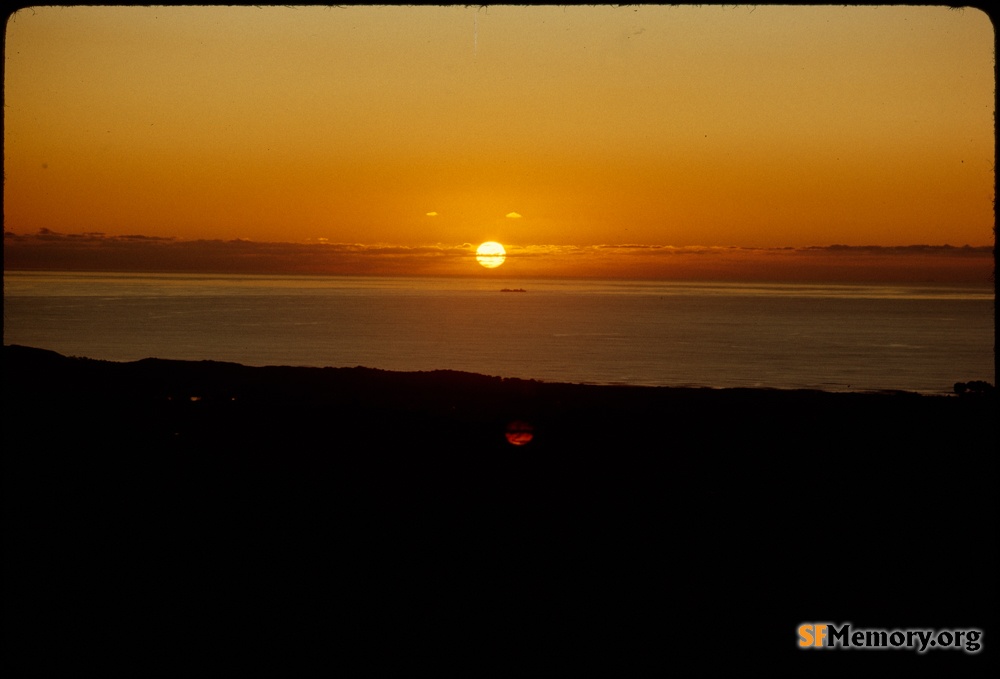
[167,517]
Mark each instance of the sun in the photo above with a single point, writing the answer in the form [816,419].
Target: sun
[491,254]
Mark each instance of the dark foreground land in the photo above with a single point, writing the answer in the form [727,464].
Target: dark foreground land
[167,518]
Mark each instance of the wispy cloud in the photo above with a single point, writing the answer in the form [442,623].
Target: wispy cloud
[98,252]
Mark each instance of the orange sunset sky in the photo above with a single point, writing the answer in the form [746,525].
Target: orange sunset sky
[847,142]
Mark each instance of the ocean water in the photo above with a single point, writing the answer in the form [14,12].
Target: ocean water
[830,337]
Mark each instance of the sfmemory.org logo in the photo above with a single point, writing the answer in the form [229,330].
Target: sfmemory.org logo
[828,635]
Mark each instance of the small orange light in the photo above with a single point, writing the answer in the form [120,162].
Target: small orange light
[519,433]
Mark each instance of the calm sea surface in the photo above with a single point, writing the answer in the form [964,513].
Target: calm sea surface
[831,337]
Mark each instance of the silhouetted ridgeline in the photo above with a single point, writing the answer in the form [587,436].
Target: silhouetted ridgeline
[166,516]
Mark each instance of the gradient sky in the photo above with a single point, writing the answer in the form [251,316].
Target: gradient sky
[688,128]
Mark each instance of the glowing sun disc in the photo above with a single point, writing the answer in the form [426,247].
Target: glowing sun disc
[491,254]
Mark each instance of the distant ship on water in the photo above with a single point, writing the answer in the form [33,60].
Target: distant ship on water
[512,290]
